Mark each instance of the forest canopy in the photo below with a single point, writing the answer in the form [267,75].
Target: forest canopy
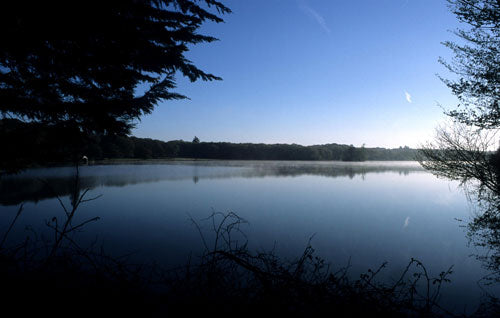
[112,147]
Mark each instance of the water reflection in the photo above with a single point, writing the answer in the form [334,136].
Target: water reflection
[38,184]
[366,212]
[484,231]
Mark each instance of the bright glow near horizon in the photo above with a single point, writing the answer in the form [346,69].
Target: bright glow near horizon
[316,72]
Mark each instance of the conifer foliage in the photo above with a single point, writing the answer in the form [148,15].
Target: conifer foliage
[97,66]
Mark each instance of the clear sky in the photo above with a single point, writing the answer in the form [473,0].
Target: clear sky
[316,72]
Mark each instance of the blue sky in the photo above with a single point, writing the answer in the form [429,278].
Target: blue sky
[315,72]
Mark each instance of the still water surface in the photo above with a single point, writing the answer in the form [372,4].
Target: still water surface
[367,213]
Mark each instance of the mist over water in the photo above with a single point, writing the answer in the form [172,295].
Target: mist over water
[361,213]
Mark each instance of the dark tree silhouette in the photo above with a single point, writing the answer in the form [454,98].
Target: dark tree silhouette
[476,62]
[462,151]
[477,87]
[97,66]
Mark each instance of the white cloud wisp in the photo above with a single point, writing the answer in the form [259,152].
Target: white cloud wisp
[315,15]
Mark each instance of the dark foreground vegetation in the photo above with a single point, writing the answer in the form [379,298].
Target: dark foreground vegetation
[56,276]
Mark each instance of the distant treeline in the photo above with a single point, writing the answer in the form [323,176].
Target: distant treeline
[25,142]
[133,147]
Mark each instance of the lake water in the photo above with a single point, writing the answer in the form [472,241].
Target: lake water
[367,213]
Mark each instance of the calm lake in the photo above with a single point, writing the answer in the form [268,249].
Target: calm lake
[367,213]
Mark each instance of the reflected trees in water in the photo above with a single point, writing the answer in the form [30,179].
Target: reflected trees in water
[462,150]
[463,153]
[29,187]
